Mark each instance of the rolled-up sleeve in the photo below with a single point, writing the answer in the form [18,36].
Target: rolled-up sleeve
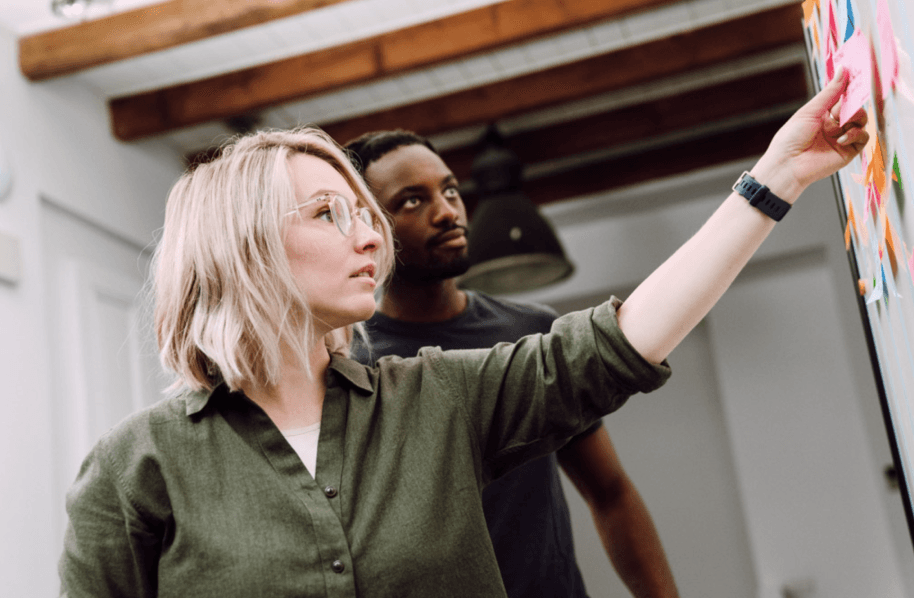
[527,399]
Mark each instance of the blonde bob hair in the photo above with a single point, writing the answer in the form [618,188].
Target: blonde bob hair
[226,302]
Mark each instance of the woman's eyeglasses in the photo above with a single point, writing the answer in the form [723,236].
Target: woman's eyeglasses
[341,212]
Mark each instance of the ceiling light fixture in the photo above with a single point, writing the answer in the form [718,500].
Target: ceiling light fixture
[70,9]
[513,248]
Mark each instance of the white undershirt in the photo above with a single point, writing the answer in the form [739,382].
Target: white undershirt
[304,441]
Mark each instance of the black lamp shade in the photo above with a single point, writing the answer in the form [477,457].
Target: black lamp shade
[512,247]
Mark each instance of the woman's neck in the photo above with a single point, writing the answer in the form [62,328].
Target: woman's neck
[296,400]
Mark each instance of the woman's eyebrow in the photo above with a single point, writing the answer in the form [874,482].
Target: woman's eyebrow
[322,193]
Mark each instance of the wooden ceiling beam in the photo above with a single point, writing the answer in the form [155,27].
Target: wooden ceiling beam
[670,160]
[745,36]
[394,53]
[144,30]
[666,161]
[654,118]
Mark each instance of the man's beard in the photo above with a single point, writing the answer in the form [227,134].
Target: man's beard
[433,271]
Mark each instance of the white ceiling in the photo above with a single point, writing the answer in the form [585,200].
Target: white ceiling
[356,19]
[31,16]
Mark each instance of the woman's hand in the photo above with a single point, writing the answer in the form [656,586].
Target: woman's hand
[812,145]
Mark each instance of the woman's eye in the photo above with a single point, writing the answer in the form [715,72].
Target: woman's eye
[325,215]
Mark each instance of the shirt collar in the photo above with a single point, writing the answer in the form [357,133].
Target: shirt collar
[195,401]
[353,371]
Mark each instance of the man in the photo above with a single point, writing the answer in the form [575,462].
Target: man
[525,509]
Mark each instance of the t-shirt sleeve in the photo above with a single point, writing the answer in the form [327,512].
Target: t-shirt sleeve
[527,399]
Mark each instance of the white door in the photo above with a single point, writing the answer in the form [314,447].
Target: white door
[103,357]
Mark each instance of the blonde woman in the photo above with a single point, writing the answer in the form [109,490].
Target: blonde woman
[281,468]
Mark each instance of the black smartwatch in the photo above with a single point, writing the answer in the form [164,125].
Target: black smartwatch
[761,197]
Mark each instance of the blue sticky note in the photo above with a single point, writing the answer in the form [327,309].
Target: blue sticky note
[850,22]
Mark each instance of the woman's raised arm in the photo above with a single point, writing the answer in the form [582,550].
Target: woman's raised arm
[676,296]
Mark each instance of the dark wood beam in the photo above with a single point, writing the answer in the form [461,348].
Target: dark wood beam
[449,38]
[674,55]
[147,29]
[653,118]
[669,160]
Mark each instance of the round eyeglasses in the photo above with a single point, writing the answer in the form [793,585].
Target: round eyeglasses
[341,212]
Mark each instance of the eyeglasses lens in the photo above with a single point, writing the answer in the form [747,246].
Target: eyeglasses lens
[342,214]
[366,216]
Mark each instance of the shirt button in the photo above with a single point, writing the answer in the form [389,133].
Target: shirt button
[330,491]
[338,566]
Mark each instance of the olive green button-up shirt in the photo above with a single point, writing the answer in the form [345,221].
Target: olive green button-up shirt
[201,496]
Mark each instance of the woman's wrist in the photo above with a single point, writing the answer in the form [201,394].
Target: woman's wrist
[777,176]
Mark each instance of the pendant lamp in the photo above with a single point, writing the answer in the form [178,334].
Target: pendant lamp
[512,248]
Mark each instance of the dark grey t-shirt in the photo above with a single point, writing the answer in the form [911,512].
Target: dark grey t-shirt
[525,510]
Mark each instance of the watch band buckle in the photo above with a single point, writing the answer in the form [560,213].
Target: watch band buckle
[739,180]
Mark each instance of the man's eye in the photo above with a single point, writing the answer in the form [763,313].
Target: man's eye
[411,202]
[451,192]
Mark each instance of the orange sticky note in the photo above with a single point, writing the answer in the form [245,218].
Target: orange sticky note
[878,165]
[891,245]
[809,7]
[854,56]
[851,225]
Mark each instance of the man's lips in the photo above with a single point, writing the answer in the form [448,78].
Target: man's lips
[453,238]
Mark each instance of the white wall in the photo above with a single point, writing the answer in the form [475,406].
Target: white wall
[56,137]
[771,474]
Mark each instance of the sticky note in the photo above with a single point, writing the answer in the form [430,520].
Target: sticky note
[888,283]
[875,172]
[809,9]
[854,56]
[832,34]
[878,280]
[878,289]
[851,226]
[849,31]
[887,47]
[911,266]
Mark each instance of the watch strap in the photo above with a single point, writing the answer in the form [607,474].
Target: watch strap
[761,197]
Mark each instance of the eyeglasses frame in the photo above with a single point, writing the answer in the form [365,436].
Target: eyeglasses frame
[355,213]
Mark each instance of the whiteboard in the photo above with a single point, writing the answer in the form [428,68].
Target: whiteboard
[875,196]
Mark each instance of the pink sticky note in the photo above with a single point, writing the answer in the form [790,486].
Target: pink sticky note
[832,28]
[888,49]
[854,56]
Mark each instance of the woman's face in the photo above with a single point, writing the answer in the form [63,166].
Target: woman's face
[335,272]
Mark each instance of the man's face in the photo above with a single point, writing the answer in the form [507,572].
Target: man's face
[420,192]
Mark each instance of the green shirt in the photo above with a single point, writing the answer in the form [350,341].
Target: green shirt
[201,495]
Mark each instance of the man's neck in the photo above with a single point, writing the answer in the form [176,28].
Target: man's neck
[423,302]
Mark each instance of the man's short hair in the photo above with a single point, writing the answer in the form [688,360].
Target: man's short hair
[371,147]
